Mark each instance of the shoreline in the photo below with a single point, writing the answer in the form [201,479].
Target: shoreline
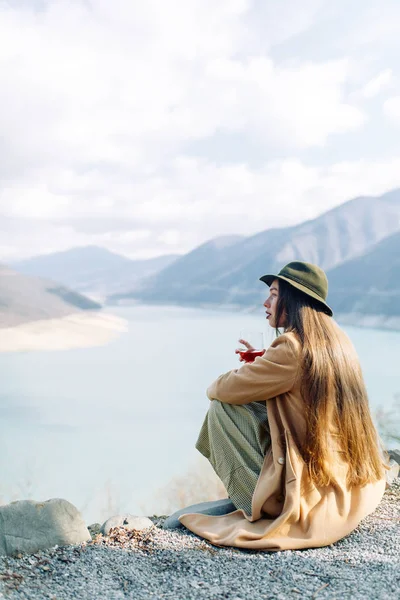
[378,322]
[77,330]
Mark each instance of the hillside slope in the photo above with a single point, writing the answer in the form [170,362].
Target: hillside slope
[24,299]
[370,284]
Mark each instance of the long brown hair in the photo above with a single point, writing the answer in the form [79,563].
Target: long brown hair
[334,392]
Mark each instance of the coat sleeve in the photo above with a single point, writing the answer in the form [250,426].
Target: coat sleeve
[268,376]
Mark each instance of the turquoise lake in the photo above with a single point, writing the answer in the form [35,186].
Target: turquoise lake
[109,427]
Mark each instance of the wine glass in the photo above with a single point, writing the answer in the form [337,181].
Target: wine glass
[256,341]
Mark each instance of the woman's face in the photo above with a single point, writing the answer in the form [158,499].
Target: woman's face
[271,305]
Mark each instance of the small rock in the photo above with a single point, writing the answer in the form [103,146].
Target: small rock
[28,526]
[129,522]
[94,529]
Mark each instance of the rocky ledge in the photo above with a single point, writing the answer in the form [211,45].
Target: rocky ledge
[152,562]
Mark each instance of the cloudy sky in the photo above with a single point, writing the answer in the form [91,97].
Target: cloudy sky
[150,127]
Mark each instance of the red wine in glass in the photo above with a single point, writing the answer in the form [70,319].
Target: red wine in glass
[250,355]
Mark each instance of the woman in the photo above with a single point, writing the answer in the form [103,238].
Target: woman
[291,435]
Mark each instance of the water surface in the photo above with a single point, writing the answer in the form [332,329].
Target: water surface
[107,427]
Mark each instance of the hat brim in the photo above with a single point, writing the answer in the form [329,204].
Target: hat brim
[268,279]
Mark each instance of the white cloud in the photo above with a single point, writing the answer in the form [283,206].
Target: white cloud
[197,200]
[391,109]
[296,106]
[129,83]
[376,85]
[101,102]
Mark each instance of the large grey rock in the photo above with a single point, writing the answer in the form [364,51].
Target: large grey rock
[214,508]
[29,526]
[129,522]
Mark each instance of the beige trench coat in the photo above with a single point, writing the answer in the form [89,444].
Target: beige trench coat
[288,510]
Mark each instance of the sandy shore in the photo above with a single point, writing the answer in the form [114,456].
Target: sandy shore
[78,330]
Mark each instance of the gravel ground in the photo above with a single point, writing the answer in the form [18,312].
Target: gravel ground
[180,566]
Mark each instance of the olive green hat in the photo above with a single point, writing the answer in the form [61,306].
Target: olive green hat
[307,278]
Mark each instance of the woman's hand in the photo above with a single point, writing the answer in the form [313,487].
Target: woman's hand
[239,350]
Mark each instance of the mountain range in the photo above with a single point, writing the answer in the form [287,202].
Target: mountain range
[357,243]
[92,270]
[343,240]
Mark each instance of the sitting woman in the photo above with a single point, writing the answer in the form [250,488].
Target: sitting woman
[290,435]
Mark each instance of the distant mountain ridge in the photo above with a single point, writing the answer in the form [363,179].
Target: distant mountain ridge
[369,285]
[228,276]
[92,270]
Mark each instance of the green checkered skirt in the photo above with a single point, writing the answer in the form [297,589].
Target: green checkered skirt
[235,440]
